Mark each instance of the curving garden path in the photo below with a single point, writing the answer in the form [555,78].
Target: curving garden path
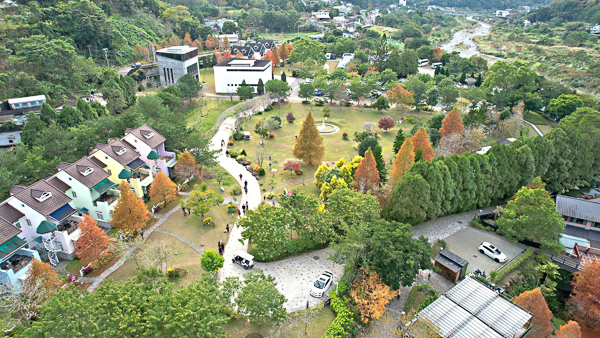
[294,276]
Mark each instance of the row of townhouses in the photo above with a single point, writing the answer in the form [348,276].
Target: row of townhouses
[41,220]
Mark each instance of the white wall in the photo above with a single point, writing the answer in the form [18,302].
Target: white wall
[85,197]
[223,78]
[10,138]
[35,218]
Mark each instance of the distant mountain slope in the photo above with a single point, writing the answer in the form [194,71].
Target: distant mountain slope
[479,4]
[569,10]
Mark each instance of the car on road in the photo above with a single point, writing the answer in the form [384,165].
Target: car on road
[322,284]
[318,93]
[490,250]
[244,259]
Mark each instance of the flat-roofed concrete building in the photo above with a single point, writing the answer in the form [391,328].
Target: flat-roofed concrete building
[230,74]
[174,62]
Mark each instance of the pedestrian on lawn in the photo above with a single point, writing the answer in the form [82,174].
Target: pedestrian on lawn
[183,209]
[227,228]
[239,212]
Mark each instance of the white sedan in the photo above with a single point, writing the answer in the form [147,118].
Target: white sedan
[322,284]
[492,251]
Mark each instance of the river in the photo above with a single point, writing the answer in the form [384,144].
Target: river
[468,47]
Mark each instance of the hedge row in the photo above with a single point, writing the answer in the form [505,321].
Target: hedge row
[293,247]
[341,325]
[514,264]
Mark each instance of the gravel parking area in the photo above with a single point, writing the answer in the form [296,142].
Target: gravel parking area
[465,244]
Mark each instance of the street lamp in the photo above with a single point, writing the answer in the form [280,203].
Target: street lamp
[106,56]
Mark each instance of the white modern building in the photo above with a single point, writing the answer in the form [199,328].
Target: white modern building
[174,62]
[502,13]
[230,74]
[26,102]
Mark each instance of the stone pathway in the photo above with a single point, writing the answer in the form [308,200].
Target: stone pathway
[193,245]
[445,226]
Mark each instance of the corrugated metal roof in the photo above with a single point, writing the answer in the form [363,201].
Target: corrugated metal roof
[592,235]
[575,207]
[471,310]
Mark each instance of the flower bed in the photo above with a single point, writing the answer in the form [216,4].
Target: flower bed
[175,273]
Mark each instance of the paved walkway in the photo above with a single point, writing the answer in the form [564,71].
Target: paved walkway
[445,226]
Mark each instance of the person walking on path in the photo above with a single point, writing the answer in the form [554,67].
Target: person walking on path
[245,183]
[142,234]
[429,276]
[220,251]
[239,213]
[243,208]
[241,177]
[273,200]
[247,208]
[246,190]
[227,228]
[227,153]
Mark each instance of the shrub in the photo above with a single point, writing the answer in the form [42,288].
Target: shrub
[290,117]
[230,143]
[240,158]
[269,108]
[341,325]
[236,191]
[257,168]
[176,273]
[319,103]
[261,172]
[87,270]
[269,195]
[271,135]
[345,136]
[298,171]
[233,153]
[184,187]
[243,152]
[207,220]
[238,136]
[514,264]
[72,278]
[231,207]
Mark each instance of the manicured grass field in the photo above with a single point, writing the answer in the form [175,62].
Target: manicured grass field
[206,113]
[281,147]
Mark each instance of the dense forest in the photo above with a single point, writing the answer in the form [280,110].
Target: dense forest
[476,4]
[568,10]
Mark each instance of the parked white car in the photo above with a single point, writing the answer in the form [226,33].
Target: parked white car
[322,284]
[492,251]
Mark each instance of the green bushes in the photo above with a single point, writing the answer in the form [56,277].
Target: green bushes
[341,325]
[514,264]
[261,172]
[233,153]
[293,247]
[478,225]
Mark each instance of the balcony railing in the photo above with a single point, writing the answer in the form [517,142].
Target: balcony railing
[69,226]
[16,263]
[139,175]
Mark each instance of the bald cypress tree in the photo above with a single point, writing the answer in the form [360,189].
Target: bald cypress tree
[309,144]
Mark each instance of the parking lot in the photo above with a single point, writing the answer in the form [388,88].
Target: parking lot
[465,243]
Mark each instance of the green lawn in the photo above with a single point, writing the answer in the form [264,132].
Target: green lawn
[73,267]
[207,77]
[207,112]
[280,148]
[181,256]
[315,328]
[416,298]
[535,118]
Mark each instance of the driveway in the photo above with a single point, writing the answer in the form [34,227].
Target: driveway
[445,226]
[465,244]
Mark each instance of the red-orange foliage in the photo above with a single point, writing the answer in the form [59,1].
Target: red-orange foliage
[534,302]
[400,95]
[208,43]
[404,160]
[585,299]
[569,330]
[43,273]
[92,242]
[371,295]
[284,52]
[269,56]
[367,175]
[186,165]
[420,140]
[187,39]
[452,123]
[276,55]
[437,54]
[227,55]
[217,54]
[162,189]
[130,213]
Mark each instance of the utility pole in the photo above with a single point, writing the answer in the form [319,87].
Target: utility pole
[267,32]
[90,50]
[106,56]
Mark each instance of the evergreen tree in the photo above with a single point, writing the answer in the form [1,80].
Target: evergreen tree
[69,117]
[48,114]
[478,82]
[462,78]
[409,200]
[405,158]
[283,76]
[467,192]
[393,62]
[309,144]
[437,71]
[31,129]
[260,89]
[86,111]
[214,60]
[399,140]
[418,155]
[377,153]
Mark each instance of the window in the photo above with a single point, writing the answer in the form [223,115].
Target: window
[88,171]
[10,141]
[99,216]
[45,195]
[108,171]
[28,222]
[596,224]
[74,194]
[149,135]
[121,151]
[17,224]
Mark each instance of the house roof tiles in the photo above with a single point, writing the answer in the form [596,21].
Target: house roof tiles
[15,189]
[10,214]
[7,231]
[148,136]
[31,194]
[78,170]
[59,184]
[120,152]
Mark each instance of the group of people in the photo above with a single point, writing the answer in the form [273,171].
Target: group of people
[221,248]
[185,211]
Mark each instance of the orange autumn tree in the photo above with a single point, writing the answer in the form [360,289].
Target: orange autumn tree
[569,330]
[420,140]
[585,295]
[92,243]
[164,43]
[43,274]
[218,55]
[269,56]
[371,295]
[534,302]
[404,160]
[227,55]
[187,39]
[437,54]
[186,165]
[290,48]
[400,95]
[284,53]
[174,41]
[452,123]
[198,43]
[130,213]
[367,175]
[208,43]
[239,55]
[162,189]
[276,55]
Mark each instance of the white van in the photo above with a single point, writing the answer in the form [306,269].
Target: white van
[423,62]
[437,64]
